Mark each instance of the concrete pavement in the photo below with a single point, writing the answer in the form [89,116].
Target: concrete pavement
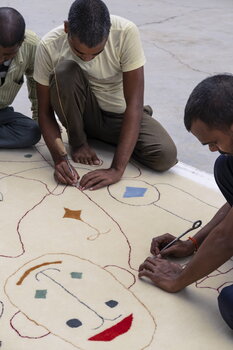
[184,42]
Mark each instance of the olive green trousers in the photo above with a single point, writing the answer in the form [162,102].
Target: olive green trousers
[77,109]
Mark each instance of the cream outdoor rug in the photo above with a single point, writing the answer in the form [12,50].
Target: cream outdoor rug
[69,260]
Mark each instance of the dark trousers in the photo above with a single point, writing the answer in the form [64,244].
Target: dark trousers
[223,172]
[76,107]
[17,130]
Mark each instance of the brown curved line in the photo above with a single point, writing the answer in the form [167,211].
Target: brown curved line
[26,273]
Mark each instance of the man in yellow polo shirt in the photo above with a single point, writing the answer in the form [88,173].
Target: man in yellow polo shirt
[17,54]
[90,72]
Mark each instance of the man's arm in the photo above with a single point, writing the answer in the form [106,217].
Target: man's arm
[185,248]
[52,136]
[215,250]
[31,86]
[133,85]
[31,83]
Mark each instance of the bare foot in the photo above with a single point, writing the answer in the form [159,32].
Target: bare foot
[84,155]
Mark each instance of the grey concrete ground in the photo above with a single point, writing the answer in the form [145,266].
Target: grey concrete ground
[184,41]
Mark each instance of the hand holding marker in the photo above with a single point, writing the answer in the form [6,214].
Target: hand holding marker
[63,153]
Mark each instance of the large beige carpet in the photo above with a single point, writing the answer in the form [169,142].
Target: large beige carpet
[69,260]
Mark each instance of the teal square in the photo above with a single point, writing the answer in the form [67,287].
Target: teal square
[41,294]
[77,275]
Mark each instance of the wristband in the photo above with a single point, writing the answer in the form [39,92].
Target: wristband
[194,242]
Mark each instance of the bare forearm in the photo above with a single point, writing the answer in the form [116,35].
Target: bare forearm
[47,122]
[133,87]
[215,250]
[128,138]
[218,217]
[31,86]
[51,132]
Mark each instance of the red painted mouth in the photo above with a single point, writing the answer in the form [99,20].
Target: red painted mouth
[113,332]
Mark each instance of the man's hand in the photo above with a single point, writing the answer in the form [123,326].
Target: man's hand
[99,178]
[162,273]
[64,174]
[179,249]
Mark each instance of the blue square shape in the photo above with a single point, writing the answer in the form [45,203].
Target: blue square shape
[134,192]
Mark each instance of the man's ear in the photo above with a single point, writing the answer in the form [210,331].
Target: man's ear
[231,127]
[66,26]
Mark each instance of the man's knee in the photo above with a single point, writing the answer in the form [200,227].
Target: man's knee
[66,72]
[158,159]
[167,158]
[35,133]
[30,135]
[225,303]
[24,133]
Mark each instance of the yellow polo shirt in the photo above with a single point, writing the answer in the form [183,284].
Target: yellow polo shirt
[122,53]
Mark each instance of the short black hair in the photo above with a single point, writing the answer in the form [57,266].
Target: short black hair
[12,27]
[211,101]
[89,21]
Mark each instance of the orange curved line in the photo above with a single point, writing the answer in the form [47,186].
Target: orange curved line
[26,273]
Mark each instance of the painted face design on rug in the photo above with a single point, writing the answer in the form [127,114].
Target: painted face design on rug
[80,302]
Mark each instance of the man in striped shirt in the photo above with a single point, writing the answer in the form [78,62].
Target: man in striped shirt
[17,52]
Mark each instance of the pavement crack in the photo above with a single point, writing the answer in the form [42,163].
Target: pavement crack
[171,18]
[159,22]
[178,59]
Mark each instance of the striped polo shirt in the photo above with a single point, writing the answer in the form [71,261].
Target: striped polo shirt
[22,65]
[3,70]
